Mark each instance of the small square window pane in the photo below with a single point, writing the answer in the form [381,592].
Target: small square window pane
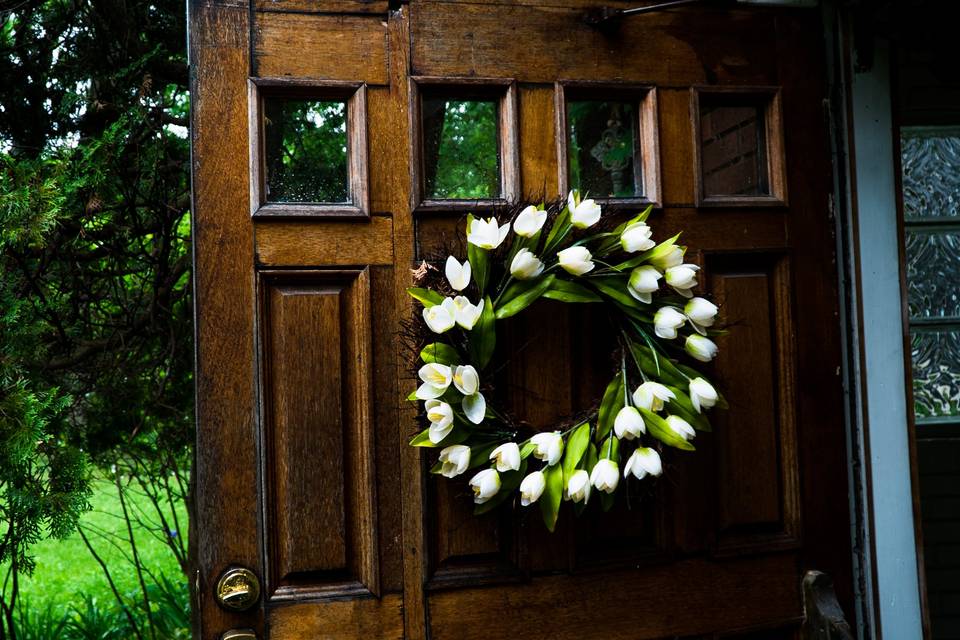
[933,271]
[306,151]
[733,149]
[461,152]
[603,149]
[936,373]
[930,161]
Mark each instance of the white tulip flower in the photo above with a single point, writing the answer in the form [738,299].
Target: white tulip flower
[506,457]
[474,407]
[701,312]
[532,488]
[629,424]
[436,378]
[667,257]
[666,322]
[466,379]
[651,396]
[702,394]
[440,317]
[681,427]
[529,222]
[486,234]
[700,347]
[605,476]
[485,485]
[440,415]
[576,260]
[466,314]
[454,460]
[583,214]
[458,275]
[549,447]
[636,237]
[525,265]
[683,278]
[642,463]
[578,487]
[643,282]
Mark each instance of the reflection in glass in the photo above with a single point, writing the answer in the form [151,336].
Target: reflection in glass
[305,145]
[933,273]
[461,155]
[931,174]
[936,373]
[733,149]
[603,148]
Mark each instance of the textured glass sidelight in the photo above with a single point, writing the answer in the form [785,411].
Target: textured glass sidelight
[933,273]
[461,154]
[305,147]
[733,149]
[603,152]
[931,175]
[936,373]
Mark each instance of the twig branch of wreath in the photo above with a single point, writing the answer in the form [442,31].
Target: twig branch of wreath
[559,251]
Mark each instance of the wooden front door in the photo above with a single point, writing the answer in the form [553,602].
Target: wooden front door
[325,170]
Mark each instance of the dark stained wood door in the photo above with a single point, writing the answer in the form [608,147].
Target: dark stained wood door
[303,472]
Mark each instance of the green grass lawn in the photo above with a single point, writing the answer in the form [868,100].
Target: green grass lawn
[66,571]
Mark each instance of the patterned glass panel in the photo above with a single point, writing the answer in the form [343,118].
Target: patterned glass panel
[931,174]
[936,373]
[460,149]
[933,273]
[733,149]
[306,150]
[603,148]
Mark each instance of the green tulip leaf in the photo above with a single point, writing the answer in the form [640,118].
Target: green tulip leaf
[527,449]
[559,230]
[610,405]
[525,299]
[456,436]
[552,496]
[566,291]
[575,448]
[427,297]
[479,262]
[660,430]
[483,336]
[615,288]
[440,353]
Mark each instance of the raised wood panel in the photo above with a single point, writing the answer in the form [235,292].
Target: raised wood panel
[300,243]
[755,440]
[322,47]
[380,618]
[315,378]
[538,152]
[377,7]
[694,47]
[687,597]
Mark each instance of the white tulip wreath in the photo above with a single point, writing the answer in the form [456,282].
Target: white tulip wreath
[652,400]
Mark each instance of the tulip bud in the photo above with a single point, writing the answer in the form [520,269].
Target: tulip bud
[666,322]
[702,394]
[575,260]
[651,396]
[584,213]
[532,488]
[629,424]
[525,265]
[440,317]
[506,457]
[466,379]
[529,221]
[683,278]
[701,312]
[436,378]
[643,282]
[474,407]
[681,427]
[458,275]
[466,314]
[605,476]
[549,447]
[485,485]
[666,256]
[642,463]
[440,415]
[700,347]
[455,460]
[636,237]
[578,487]
[486,234]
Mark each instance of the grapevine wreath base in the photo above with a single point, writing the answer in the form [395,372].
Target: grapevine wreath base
[564,251]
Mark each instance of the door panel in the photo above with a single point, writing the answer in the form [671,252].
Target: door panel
[303,469]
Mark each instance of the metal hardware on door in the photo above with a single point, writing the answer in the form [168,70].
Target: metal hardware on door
[239,634]
[237,590]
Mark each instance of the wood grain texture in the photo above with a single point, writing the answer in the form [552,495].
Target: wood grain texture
[375,7]
[538,151]
[322,47]
[361,618]
[300,243]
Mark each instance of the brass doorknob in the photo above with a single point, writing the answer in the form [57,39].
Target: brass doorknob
[238,589]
